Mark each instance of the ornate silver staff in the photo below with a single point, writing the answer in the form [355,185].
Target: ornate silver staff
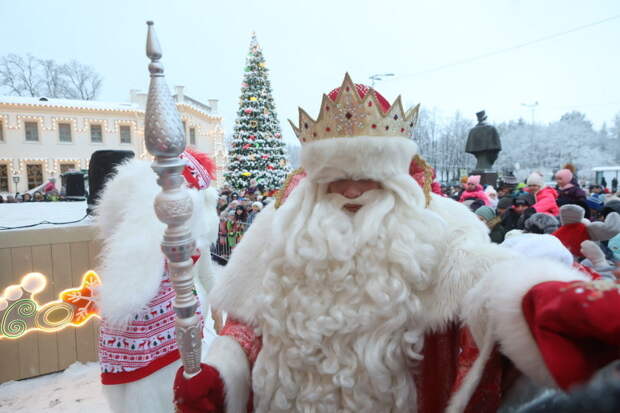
[165,140]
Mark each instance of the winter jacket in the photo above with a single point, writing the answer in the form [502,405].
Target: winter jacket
[478,193]
[573,195]
[510,220]
[546,201]
[497,231]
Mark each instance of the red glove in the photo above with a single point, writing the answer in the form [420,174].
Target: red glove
[203,393]
[576,327]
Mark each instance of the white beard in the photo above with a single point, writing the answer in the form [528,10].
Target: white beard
[340,318]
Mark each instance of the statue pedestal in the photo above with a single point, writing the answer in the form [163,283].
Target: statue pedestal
[487,177]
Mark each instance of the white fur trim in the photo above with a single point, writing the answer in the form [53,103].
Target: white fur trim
[363,157]
[496,303]
[241,278]
[227,356]
[131,261]
[153,393]
[460,399]
[540,246]
[469,253]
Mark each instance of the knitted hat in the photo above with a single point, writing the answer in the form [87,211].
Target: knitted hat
[535,179]
[474,179]
[541,223]
[486,212]
[565,174]
[199,170]
[505,203]
[258,205]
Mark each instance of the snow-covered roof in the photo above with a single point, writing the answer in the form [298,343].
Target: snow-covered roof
[71,104]
[606,168]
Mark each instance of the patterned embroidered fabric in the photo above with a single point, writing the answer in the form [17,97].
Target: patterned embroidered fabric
[245,336]
[146,344]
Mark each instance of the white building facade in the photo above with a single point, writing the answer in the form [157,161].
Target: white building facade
[42,138]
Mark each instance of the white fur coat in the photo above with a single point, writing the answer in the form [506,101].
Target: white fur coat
[131,261]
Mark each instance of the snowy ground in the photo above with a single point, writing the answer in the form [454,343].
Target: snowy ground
[13,215]
[75,390]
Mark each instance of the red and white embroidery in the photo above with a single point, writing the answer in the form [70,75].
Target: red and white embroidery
[144,345]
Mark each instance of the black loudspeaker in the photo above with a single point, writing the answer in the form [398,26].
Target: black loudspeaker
[73,185]
[101,167]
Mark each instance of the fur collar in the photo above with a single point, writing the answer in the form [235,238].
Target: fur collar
[131,261]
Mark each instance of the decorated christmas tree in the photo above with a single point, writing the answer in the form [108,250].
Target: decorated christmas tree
[258,151]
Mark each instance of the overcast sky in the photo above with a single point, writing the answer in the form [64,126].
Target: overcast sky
[310,45]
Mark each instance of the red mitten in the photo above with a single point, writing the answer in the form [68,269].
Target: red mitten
[576,327]
[203,393]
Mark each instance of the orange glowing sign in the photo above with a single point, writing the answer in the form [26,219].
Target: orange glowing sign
[20,313]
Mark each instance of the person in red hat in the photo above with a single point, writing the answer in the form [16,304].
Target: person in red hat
[361,290]
[138,352]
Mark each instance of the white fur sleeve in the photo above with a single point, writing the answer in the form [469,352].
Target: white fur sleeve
[496,303]
[227,356]
[241,278]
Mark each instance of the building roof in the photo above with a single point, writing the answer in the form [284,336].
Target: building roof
[70,104]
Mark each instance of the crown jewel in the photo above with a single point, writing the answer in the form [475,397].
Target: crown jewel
[350,115]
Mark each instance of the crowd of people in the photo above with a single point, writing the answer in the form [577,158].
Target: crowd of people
[237,210]
[533,206]
[47,193]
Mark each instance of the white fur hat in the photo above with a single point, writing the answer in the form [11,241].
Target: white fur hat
[357,135]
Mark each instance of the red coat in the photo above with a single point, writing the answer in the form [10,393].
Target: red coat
[573,324]
[478,193]
[546,201]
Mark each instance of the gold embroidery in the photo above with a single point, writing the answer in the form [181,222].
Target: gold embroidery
[280,194]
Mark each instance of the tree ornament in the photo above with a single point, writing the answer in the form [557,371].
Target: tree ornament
[277,134]
[253,145]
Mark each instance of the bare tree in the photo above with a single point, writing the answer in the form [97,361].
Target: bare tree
[34,77]
[54,82]
[20,75]
[83,82]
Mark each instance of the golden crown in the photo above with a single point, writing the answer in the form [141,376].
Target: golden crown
[350,115]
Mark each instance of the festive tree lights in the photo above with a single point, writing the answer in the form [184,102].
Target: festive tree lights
[21,313]
[258,151]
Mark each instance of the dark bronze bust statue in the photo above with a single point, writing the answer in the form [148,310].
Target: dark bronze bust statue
[483,142]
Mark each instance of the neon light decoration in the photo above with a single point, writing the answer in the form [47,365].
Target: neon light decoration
[20,313]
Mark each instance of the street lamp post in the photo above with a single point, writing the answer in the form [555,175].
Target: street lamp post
[16,178]
[379,76]
[532,108]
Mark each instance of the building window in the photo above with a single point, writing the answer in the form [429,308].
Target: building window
[64,132]
[185,129]
[192,136]
[4,178]
[35,175]
[32,131]
[66,167]
[96,133]
[125,134]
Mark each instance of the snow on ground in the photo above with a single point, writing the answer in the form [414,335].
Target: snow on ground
[27,213]
[75,390]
